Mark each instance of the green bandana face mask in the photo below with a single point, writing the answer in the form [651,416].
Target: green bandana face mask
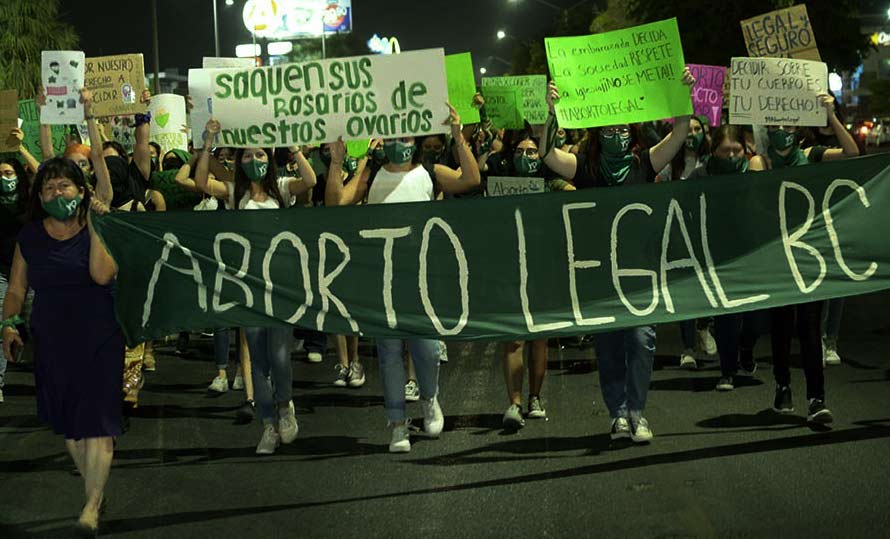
[693,142]
[350,164]
[781,140]
[255,170]
[61,208]
[8,185]
[615,158]
[397,152]
[730,165]
[560,142]
[526,166]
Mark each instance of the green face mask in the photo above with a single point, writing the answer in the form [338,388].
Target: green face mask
[781,140]
[526,166]
[350,164]
[615,158]
[560,142]
[255,170]
[8,185]
[378,155]
[693,142]
[61,208]
[397,152]
[730,165]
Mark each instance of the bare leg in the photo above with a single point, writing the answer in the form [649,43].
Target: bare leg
[352,348]
[76,450]
[537,366]
[245,365]
[512,363]
[412,375]
[340,344]
[98,454]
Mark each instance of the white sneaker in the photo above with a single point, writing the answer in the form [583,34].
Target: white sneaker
[620,428]
[401,441]
[315,357]
[220,384]
[356,374]
[829,353]
[433,420]
[342,375]
[412,391]
[238,383]
[687,360]
[1,395]
[706,341]
[639,429]
[442,352]
[536,408]
[269,442]
[287,424]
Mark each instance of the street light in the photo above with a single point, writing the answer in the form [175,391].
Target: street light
[501,34]
[483,70]
[230,2]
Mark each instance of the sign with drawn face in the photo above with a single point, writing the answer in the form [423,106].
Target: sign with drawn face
[62,78]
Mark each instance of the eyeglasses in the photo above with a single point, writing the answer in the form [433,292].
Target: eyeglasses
[612,131]
[530,152]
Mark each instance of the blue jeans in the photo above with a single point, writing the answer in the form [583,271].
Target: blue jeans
[832,312]
[270,356]
[221,339]
[26,312]
[424,352]
[625,360]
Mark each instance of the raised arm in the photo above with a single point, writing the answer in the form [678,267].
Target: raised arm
[564,164]
[337,194]
[467,177]
[848,145]
[104,192]
[31,162]
[141,149]
[304,169]
[663,153]
[212,187]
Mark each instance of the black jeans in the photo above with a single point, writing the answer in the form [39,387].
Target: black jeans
[727,331]
[806,319]
[313,341]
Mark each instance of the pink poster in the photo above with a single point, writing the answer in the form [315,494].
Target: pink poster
[707,95]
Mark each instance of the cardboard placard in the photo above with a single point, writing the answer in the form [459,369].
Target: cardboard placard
[462,86]
[117,83]
[502,107]
[61,73]
[777,91]
[508,185]
[355,98]
[531,90]
[784,33]
[9,120]
[167,120]
[213,62]
[626,76]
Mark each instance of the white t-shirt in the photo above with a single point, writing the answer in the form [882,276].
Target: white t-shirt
[247,203]
[414,185]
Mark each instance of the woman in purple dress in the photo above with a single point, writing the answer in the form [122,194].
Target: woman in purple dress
[78,345]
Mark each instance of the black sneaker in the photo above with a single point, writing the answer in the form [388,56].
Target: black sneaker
[245,413]
[747,366]
[818,413]
[782,402]
[725,384]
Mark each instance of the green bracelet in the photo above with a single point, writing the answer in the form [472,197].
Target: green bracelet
[11,322]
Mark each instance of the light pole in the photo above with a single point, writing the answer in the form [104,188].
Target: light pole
[154,31]
[216,26]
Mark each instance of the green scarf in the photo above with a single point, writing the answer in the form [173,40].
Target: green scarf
[795,158]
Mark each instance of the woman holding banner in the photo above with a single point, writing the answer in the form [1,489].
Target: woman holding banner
[784,151]
[613,156]
[256,186]
[404,178]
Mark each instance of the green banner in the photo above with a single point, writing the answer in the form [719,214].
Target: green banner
[514,267]
[531,92]
[462,86]
[502,106]
[31,128]
[625,76]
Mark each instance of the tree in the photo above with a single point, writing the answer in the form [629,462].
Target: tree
[615,17]
[26,29]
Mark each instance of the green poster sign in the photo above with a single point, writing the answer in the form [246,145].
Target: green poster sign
[626,76]
[531,91]
[357,148]
[462,86]
[546,264]
[31,128]
[502,106]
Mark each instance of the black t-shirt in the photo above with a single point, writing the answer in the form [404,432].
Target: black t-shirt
[641,171]
[12,217]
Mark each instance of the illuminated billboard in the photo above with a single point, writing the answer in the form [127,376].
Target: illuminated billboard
[290,19]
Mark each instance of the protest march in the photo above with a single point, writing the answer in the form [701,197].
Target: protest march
[411,204]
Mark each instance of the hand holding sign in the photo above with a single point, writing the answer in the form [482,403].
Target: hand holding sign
[338,151]
[454,121]
[552,96]
[827,101]
[212,129]
[86,98]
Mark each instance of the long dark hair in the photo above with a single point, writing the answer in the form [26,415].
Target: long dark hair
[734,133]
[516,138]
[678,163]
[590,146]
[269,183]
[58,167]
[24,180]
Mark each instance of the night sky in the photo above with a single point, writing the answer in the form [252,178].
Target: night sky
[186,27]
